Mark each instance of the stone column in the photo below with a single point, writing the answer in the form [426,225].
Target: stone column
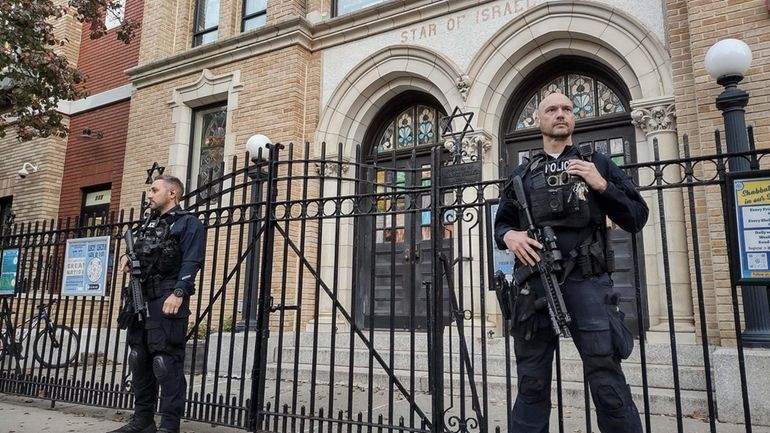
[336,253]
[657,119]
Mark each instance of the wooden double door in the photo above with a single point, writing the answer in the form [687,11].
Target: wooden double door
[394,247]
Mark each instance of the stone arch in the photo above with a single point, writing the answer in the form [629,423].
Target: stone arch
[371,84]
[577,28]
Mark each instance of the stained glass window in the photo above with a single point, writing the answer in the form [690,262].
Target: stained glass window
[556,85]
[590,98]
[528,114]
[386,140]
[415,126]
[405,125]
[608,100]
[209,146]
[581,91]
[425,130]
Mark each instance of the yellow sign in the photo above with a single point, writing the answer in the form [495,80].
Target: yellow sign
[754,192]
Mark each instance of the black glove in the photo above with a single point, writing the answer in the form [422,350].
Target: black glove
[524,320]
[125,319]
[126,314]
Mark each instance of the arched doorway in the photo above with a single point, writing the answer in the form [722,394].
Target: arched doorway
[394,247]
[602,118]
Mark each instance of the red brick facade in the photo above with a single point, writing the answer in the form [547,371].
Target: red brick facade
[94,161]
[97,161]
[105,60]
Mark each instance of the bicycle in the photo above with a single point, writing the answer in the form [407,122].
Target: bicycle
[54,346]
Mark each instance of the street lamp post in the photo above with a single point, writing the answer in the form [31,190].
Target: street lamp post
[257,146]
[727,61]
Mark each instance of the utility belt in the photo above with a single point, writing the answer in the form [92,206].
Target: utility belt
[592,257]
[154,287]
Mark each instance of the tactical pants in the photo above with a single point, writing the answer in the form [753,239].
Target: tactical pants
[615,409]
[156,358]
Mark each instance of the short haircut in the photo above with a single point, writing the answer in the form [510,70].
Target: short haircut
[175,183]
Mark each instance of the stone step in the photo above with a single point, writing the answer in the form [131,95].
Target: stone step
[658,376]
[662,401]
[655,353]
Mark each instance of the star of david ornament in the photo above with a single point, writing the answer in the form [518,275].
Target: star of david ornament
[449,124]
[454,127]
[150,172]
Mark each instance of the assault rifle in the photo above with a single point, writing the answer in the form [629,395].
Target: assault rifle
[133,299]
[548,265]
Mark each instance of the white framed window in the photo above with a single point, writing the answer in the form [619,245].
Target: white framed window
[114,17]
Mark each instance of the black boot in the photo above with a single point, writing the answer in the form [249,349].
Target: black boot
[165,430]
[137,425]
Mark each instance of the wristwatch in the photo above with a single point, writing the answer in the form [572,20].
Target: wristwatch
[178,292]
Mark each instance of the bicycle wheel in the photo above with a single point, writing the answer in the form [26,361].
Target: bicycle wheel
[56,346]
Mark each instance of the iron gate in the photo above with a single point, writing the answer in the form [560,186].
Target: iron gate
[275,344]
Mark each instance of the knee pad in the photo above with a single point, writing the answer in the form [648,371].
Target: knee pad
[136,358]
[533,389]
[159,367]
[609,398]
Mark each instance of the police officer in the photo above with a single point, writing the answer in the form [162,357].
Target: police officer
[170,248]
[573,192]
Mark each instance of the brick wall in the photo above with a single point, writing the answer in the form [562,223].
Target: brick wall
[280,98]
[104,60]
[158,26]
[694,26]
[69,29]
[169,24]
[37,196]
[93,161]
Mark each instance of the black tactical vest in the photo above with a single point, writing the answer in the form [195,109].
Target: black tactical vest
[557,199]
[158,251]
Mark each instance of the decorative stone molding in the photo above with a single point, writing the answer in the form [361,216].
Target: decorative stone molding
[331,168]
[657,118]
[207,89]
[476,143]
[463,84]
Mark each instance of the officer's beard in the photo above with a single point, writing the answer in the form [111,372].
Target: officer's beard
[559,136]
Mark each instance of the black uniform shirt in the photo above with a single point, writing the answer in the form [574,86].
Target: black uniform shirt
[621,202]
[189,230]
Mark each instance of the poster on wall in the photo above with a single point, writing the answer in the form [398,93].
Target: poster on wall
[749,200]
[85,266]
[502,259]
[9,270]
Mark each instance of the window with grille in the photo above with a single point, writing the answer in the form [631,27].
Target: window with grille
[413,127]
[590,97]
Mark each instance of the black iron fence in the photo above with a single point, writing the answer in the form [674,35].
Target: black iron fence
[342,294]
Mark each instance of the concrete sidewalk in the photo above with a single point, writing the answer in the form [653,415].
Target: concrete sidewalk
[28,415]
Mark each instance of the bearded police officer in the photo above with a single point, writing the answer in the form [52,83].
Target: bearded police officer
[170,248]
[572,190]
